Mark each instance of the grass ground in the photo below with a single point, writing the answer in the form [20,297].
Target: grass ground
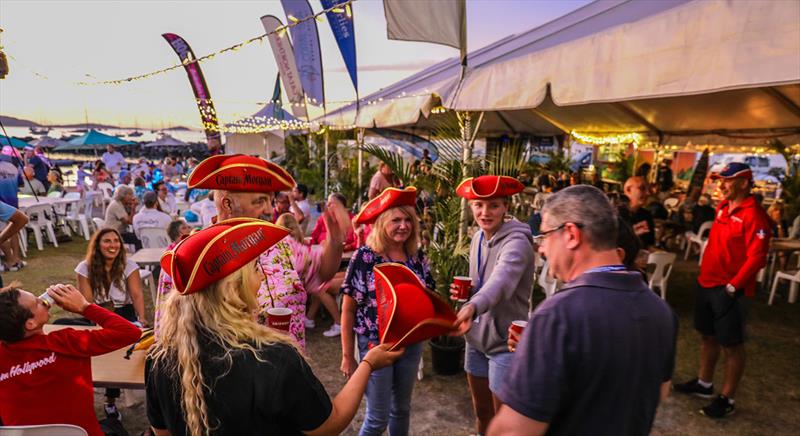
[767,401]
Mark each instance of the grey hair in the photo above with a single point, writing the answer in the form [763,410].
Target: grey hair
[122,191]
[588,206]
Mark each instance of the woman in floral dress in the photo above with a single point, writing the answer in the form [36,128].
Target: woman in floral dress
[394,238]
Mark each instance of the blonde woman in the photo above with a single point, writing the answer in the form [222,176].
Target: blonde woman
[394,238]
[215,369]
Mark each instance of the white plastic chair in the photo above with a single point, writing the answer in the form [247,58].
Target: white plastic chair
[107,189]
[23,242]
[154,237]
[38,222]
[54,194]
[75,215]
[148,280]
[43,430]
[671,204]
[794,280]
[99,223]
[664,262]
[548,284]
[96,199]
[697,238]
[794,232]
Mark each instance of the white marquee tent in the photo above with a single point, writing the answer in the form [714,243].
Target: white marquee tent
[676,70]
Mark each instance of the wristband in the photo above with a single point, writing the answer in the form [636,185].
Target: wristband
[371,368]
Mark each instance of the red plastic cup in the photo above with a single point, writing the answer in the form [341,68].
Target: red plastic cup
[518,327]
[278,318]
[463,284]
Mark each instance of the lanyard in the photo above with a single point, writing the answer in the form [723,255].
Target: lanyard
[606,268]
[481,268]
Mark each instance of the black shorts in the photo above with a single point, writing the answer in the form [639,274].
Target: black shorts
[718,314]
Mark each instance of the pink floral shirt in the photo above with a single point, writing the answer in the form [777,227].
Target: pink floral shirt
[283,288]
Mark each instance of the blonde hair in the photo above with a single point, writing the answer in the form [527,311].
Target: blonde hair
[379,241]
[290,222]
[224,313]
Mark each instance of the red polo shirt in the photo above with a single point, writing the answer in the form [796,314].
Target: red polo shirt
[737,247]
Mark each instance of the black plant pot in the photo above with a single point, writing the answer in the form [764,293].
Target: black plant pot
[447,354]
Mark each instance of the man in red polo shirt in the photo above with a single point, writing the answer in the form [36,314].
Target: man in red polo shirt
[737,249]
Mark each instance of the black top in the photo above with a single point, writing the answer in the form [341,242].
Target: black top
[642,217]
[593,357]
[277,396]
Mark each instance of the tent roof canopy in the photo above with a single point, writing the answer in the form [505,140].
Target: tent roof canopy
[15,142]
[667,68]
[166,140]
[92,140]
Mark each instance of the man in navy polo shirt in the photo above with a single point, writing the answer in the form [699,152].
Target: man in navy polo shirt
[596,357]
[737,249]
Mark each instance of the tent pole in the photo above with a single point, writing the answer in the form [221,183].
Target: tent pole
[327,160]
[359,145]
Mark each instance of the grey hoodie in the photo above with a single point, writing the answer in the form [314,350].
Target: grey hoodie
[507,282]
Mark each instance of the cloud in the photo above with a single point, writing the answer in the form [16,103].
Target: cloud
[403,66]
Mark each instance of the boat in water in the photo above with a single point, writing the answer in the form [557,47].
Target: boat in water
[135,134]
[39,130]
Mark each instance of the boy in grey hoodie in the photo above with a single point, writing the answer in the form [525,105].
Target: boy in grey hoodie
[501,257]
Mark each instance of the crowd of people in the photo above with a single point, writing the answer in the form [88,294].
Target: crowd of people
[218,367]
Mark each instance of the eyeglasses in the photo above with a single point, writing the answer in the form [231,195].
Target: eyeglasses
[540,237]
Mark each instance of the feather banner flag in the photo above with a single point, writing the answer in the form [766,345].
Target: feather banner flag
[204,104]
[284,57]
[305,38]
[343,31]
[440,22]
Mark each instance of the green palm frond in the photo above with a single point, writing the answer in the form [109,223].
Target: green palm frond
[507,160]
[393,160]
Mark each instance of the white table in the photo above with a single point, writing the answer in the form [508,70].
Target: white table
[27,202]
[112,370]
[148,256]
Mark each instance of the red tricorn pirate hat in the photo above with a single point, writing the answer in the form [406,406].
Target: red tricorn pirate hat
[239,172]
[215,252]
[487,187]
[408,312]
[389,198]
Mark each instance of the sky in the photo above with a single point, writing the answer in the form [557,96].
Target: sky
[54,44]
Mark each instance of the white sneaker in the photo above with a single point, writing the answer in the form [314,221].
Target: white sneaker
[332,332]
[310,324]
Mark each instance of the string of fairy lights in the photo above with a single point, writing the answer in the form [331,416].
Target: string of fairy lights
[340,8]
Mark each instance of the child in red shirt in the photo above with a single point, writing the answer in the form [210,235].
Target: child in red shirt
[47,378]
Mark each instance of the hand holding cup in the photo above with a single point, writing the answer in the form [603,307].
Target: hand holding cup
[68,298]
[515,333]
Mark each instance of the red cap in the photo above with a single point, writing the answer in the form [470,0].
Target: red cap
[487,187]
[239,172]
[408,312]
[389,198]
[215,252]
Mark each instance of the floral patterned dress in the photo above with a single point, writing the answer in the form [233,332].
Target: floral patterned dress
[359,284]
[283,288]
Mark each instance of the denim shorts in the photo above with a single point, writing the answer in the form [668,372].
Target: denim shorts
[494,366]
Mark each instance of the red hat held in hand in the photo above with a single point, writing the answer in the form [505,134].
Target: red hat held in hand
[408,312]
[211,254]
[239,172]
[389,198]
[488,187]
